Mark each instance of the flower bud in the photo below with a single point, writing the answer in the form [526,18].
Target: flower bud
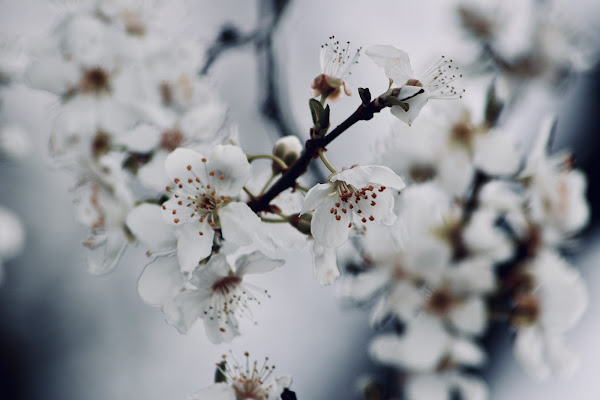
[301,222]
[288,149]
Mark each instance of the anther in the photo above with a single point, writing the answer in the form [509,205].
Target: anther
[189,167]
[176,220]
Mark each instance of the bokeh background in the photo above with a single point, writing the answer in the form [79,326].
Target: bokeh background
[65,334]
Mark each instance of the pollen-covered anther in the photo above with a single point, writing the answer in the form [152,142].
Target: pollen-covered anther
[371,218]
[211,173]
[373,203]
[221,177]
[176,220]
[337,217]
[189,167]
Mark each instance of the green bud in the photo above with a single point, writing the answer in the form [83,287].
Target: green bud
[288,148]
[301,222]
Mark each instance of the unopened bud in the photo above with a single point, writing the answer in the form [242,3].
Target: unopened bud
[288,149]
[301,222]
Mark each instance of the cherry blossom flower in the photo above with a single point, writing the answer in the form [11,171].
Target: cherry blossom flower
[357,195]
[543,316]
[219,297]
[246,380]
[336,64]
[202,201]
[434,83]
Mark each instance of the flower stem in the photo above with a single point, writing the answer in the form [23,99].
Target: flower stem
[326,162]
[249,193]
[279,161]
[262,191]
[273,220]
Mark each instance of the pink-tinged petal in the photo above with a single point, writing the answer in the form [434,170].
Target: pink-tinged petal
[315,197]
[185,309]
[161,281]
[470,317]
[215,269]
[325,261]
[423,345]
[384,176]
[256,263]
[428,387]
[217,391]
[238,223]
[328,228]
[219,332]
[231,170]
[394,61]
[192,246]
[147,224]
[178,162]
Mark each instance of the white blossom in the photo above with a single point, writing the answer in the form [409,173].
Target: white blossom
[336,65]
[354,196]
[12,237]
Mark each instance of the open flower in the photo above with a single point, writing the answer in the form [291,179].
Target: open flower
[355,195]
[220,296]
[245,381]
[434,83]
[336,64]
[202,201]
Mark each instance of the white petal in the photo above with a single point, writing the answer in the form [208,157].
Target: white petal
[529,351]
[415,102]
[497,155]
[193,247]
[384,176]
[185,309]
[147,224]
[177,164]
[315,197]
[217,391]
[422,346]
[105,258]
[142,138]
[325,261]
[427,387]
[216,269]
[403,302]
[153,174]
[239,223]
[357,176]
[394,61]
[326,228]
[364,286]
[230,163]
[161,281]
[219,332]
[467,353]
[203,121]
[470,317]
[471,387]
[52,74]
[256,263]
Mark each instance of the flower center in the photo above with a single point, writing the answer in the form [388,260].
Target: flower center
[95,80]
[247,379]
[227,284]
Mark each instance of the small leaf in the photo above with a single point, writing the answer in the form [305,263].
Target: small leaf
[316,108]
[288,395]
[324,118]
[365,95]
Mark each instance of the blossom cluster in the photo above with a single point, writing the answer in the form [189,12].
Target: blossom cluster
[450,228]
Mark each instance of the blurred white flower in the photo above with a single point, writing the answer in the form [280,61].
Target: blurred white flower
[543,316]
[202,201]
[434,83]
[15,142]
[356,195]
[219,296]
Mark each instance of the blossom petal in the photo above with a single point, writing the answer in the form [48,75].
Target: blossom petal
[415,101]
[467,353]
[217,391]
[147,224]
[177,164]
[497,155]
[394,61]
[231,170]
[325,261]
[239,223]
[315,197]
[384,176]
[329,229]
[471,387]
[216,268]
[219,332]
[427,387]
[161,281]
[470,317]
[529,350]
[192,246]
[256,263]
[104,258]
[185,309]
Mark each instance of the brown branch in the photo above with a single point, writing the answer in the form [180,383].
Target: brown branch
[363,113]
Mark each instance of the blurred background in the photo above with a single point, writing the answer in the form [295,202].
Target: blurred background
[65,334]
